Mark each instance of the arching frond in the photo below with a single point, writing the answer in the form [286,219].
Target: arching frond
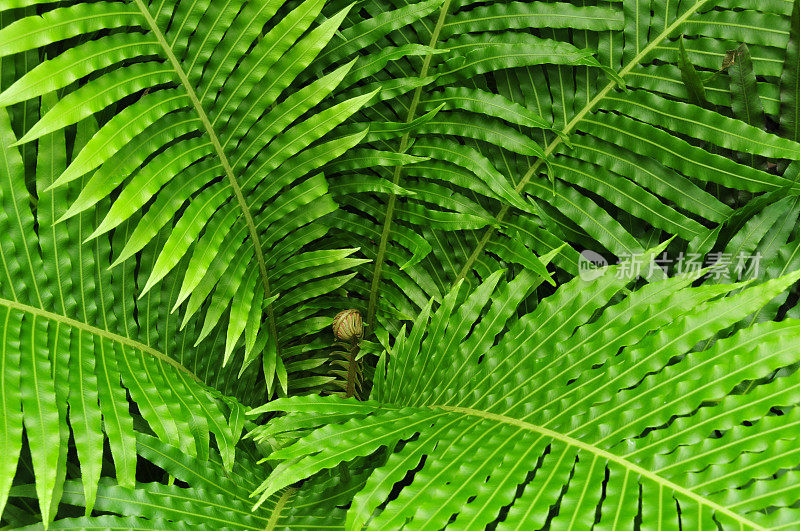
[76,343]
[600,408]
[190,191]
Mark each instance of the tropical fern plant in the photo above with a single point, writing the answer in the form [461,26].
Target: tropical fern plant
[192,190]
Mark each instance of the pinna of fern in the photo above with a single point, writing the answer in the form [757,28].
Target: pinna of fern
[600,408]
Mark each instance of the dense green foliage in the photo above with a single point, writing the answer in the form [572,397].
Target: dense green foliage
[192,190]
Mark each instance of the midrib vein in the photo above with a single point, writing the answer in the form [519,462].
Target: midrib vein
[552,146]
[599,452]
[96,331]
[223,158]
[276,511]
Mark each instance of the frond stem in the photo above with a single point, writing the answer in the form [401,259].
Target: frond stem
[398,172]
[352,373]
[223,158]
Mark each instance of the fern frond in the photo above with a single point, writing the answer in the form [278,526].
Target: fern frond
[597,402]
[73,346]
